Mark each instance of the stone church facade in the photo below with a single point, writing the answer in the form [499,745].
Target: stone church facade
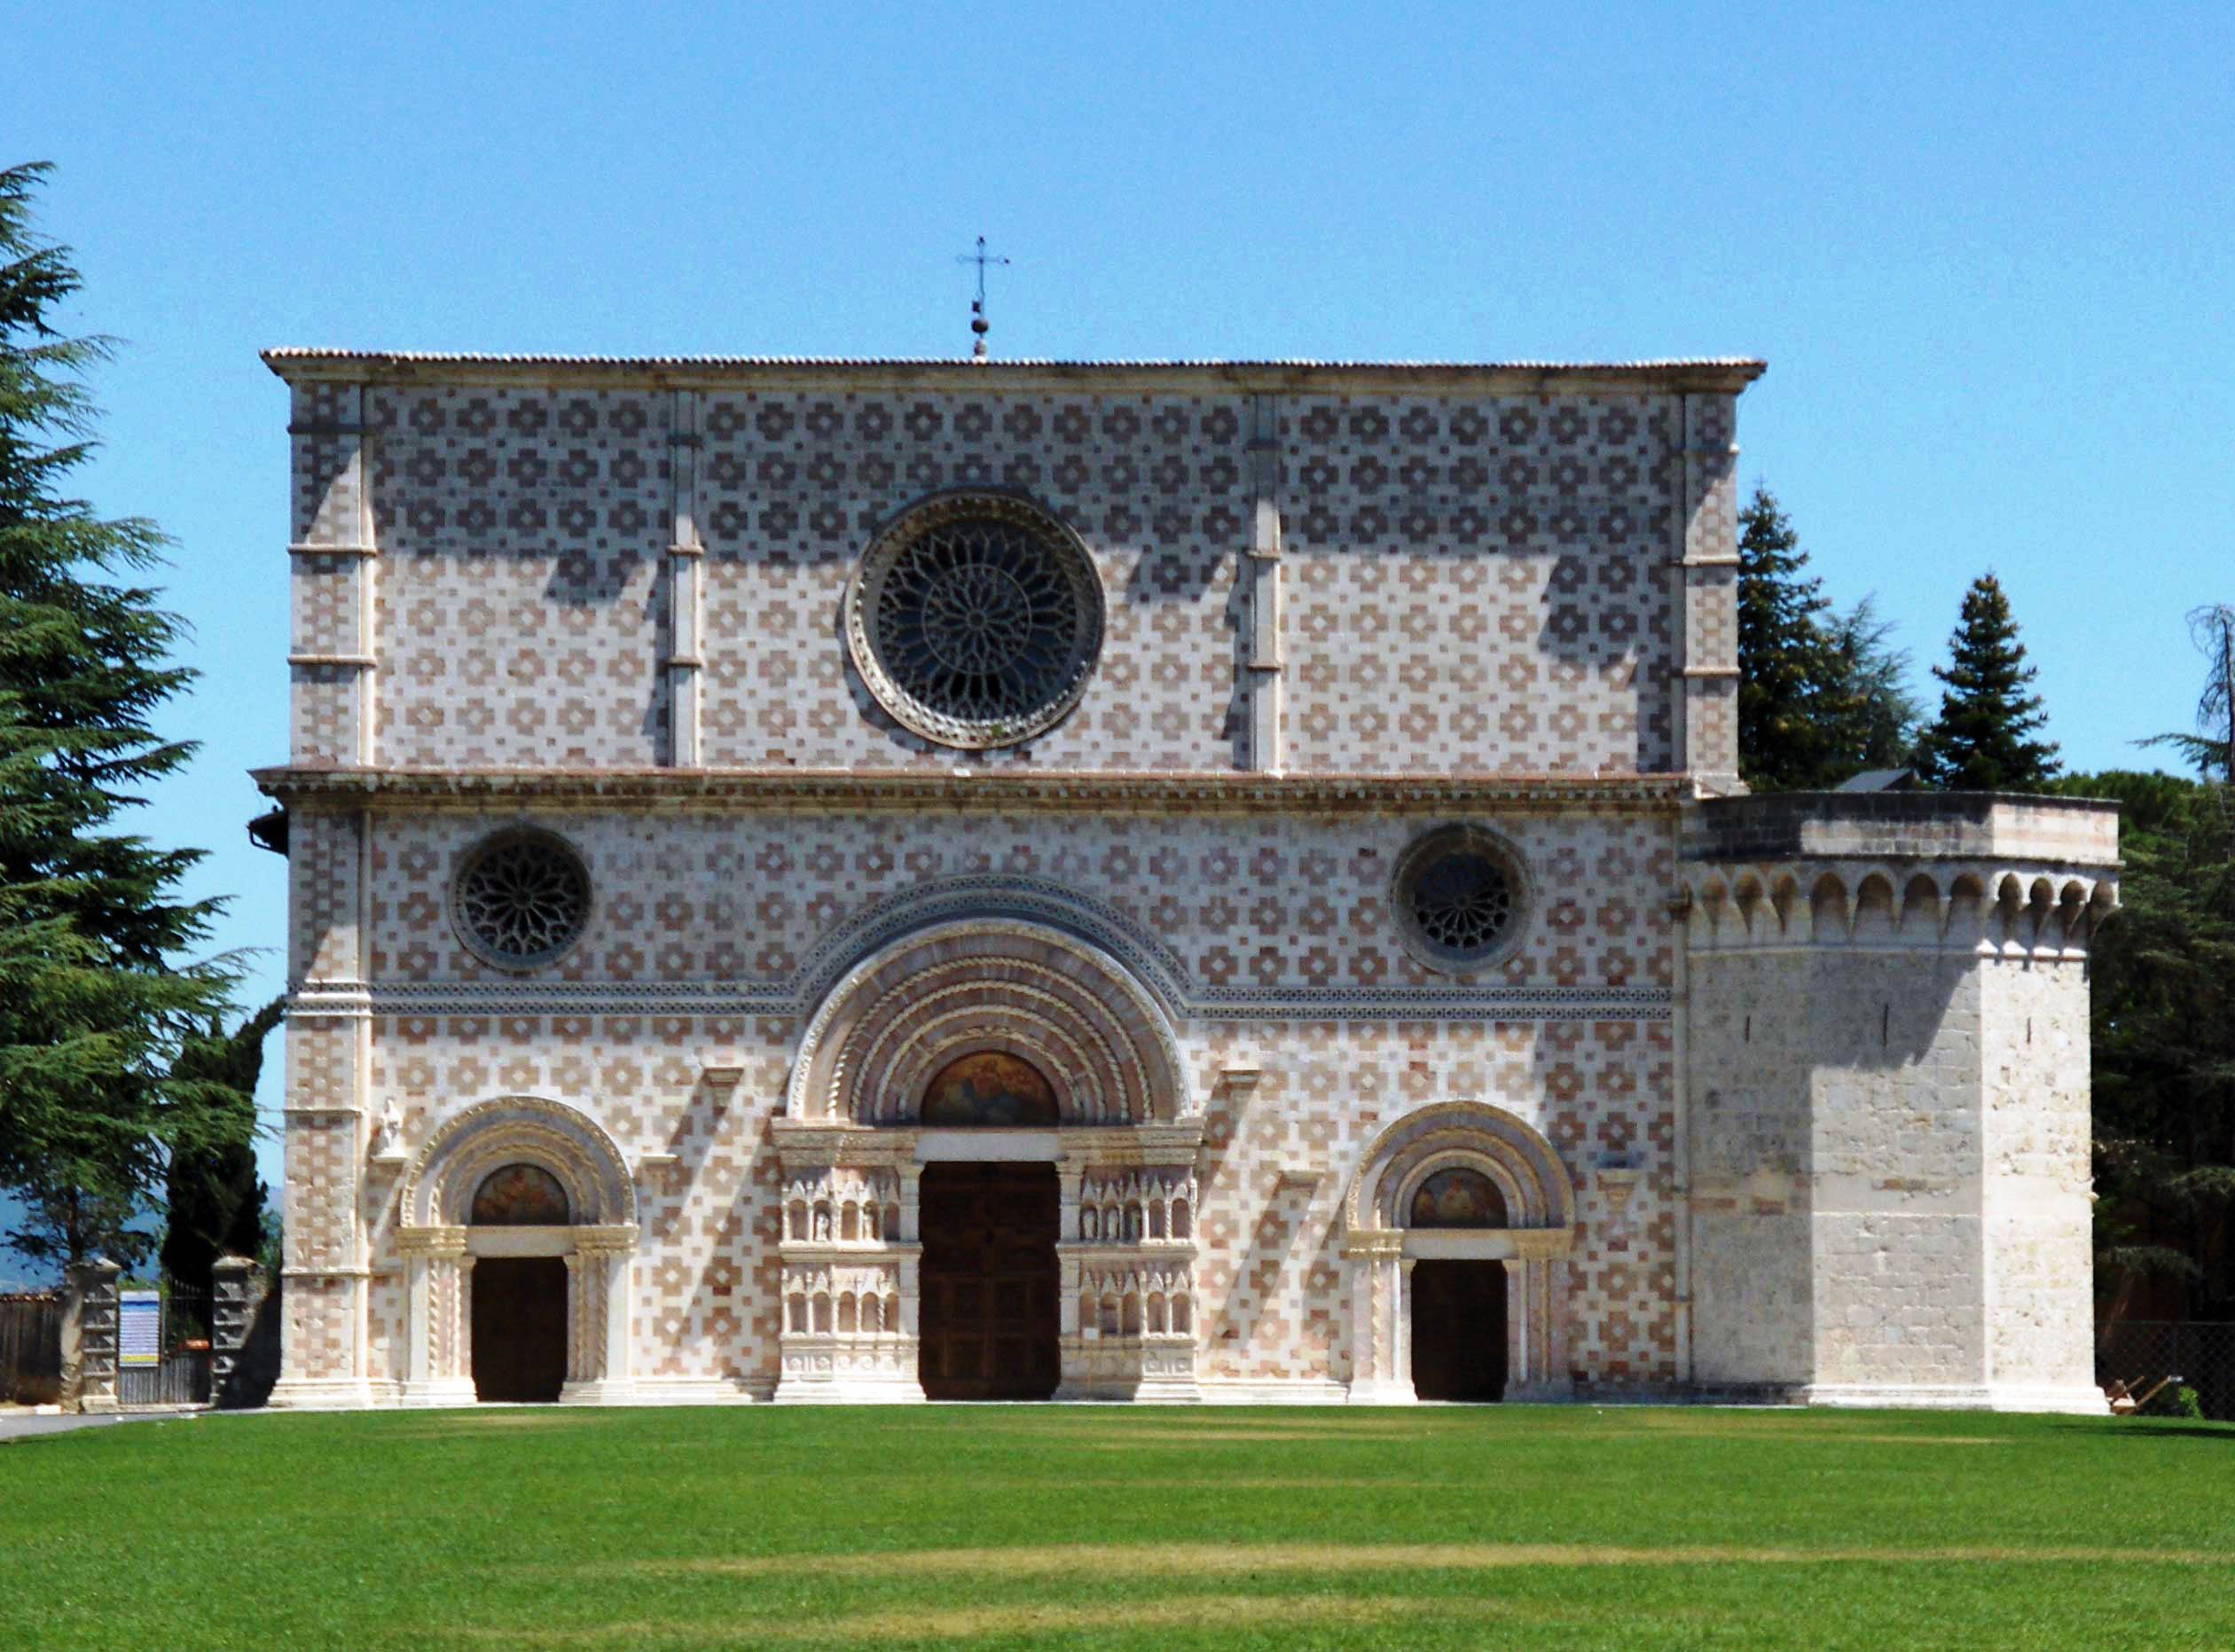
[862,880]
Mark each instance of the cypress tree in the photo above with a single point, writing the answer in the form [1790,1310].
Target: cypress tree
[1784,657]
[95,995]
[1982,740]
[213,1201]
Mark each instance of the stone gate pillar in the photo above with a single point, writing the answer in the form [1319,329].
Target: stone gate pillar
[237,1292]
[89,1335]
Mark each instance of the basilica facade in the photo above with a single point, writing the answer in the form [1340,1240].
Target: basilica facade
[862,880]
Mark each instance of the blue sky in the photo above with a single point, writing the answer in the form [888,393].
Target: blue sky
[1985,249]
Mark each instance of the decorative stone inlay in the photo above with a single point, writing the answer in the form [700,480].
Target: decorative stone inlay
[1460,896]
[521,900]
[976,619]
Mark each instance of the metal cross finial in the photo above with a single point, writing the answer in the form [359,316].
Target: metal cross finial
[978,323]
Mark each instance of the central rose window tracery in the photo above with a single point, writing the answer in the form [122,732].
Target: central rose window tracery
[976,620]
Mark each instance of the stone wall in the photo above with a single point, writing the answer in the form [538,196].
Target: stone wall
[1463,578]
[713,933]
[1886,1095]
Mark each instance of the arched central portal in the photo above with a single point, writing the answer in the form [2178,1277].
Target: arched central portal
[989,1163]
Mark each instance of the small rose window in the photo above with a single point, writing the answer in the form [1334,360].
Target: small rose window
[1460,899]
[521,900]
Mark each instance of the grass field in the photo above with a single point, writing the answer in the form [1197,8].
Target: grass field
[1030,1526]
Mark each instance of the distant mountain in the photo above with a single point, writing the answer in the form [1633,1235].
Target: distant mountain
[21,1272]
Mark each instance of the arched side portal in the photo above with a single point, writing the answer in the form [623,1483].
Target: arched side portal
[994,1045]
[529,1138]
[1427,1187]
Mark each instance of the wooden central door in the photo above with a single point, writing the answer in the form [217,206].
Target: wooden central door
[988,1281]
[520,1328]
[1459,1329]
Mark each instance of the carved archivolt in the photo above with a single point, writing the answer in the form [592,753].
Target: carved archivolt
[1978,907]
[1022,988]
[1468,1135]
[518,1129]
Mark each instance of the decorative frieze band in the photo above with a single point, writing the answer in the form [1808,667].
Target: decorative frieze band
[756,1000]
[988,790]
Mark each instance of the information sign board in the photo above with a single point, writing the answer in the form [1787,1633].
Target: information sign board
[139,1329]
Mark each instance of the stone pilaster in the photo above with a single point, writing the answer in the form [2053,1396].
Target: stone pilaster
[1707,591]
[333,656]
[686,581]
[1262,652]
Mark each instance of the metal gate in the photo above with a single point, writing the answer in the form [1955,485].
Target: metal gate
[163,1347]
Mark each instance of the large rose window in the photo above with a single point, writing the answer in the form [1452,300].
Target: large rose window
[976,620]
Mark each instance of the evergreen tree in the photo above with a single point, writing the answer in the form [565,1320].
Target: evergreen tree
[1981,741]
[1783,659]
[214,1203]
[94,996]
[2163,980]
[1868,712]
[1820,694]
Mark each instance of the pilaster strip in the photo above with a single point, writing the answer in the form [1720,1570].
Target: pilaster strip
[1680,595]
[685,585]
[1264,657]
[1707,616]
[368,589]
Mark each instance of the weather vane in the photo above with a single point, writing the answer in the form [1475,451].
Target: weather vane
[978,323]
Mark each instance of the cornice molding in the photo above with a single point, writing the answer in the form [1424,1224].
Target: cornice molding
[970,788]
[1726,375]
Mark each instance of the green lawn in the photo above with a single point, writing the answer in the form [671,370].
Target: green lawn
[1030,1526]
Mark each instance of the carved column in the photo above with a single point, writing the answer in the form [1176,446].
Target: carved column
[1401,1325]
[1380,1371]
[1540,1259]
[440,1288]
[597,1371]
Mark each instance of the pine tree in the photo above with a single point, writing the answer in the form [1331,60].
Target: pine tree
[1981,741]
[94,996]
[1783,659]
[1870,715]
[214,1202]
